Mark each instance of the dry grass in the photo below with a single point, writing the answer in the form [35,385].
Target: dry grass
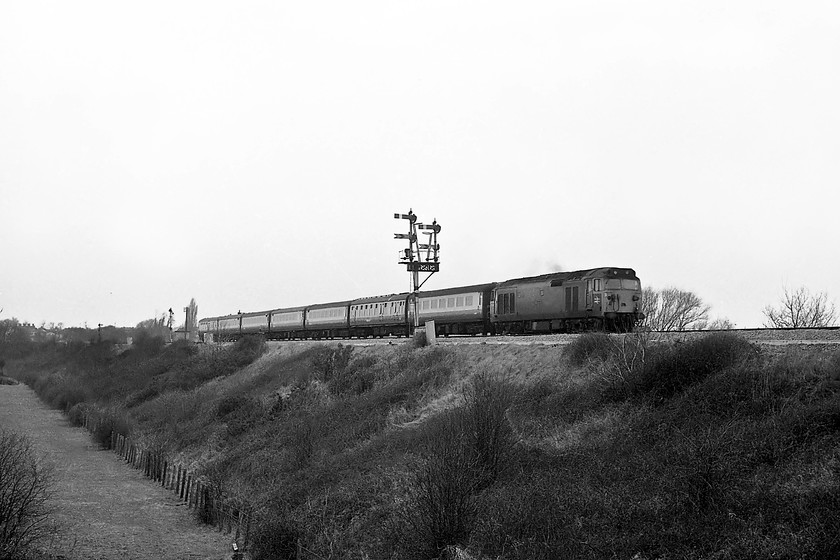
[651,462]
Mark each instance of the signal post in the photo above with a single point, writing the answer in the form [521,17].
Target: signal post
[413,257]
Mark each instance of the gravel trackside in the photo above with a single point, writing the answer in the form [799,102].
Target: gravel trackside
[104,509]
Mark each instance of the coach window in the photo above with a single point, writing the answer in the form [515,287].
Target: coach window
[459,302]
[513,303]
[469,301]
[450,302]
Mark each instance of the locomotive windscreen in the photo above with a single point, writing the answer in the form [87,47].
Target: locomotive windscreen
[622,284]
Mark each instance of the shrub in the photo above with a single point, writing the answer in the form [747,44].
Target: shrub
[105,423]
[330,361]
[182,349]
[464,452]
[301,443]
[67,395]
[419,370]
[486,428]
[531,517]
[244,417]
[672,370]
[76,414]
[26,487]
[588,347]
[276,537]
[229,404]
[144,394]
[146,345]
[356,378]
[442,500]
[247,349]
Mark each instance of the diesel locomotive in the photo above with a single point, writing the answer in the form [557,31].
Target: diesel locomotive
[594,299]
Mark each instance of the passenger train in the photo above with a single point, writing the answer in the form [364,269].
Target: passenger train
[595,299]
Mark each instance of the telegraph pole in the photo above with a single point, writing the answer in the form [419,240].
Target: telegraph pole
[169,323]
[413,257]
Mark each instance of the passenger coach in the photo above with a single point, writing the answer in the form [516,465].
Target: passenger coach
[594,299]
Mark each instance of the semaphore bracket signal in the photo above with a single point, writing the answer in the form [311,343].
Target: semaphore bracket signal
[419,257]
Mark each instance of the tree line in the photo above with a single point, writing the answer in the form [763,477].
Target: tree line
[674,309]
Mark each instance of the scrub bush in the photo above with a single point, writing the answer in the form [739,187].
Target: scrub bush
[356,378]
[26,487]
[674,369]
[464,452]
[229,404]
[331,361]
[247,349]
[588,347]
[276,537]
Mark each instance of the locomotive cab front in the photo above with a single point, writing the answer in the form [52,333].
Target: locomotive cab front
[617,294]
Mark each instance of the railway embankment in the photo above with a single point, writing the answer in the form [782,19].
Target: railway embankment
[637,446]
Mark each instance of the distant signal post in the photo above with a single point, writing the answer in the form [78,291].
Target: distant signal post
[419,257]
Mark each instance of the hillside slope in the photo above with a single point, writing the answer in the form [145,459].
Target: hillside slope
[609,447]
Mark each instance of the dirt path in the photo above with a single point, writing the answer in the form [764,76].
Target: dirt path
[105,510]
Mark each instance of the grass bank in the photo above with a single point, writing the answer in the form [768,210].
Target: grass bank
[612,447]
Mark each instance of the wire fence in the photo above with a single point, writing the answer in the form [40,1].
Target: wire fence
[210,504]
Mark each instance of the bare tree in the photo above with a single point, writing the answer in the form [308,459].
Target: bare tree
[799,309]
[672,309]
[719,324]
[25,492]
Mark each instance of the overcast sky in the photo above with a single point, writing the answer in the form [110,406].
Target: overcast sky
[251,155]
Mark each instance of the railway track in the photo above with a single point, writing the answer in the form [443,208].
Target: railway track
[766,336]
